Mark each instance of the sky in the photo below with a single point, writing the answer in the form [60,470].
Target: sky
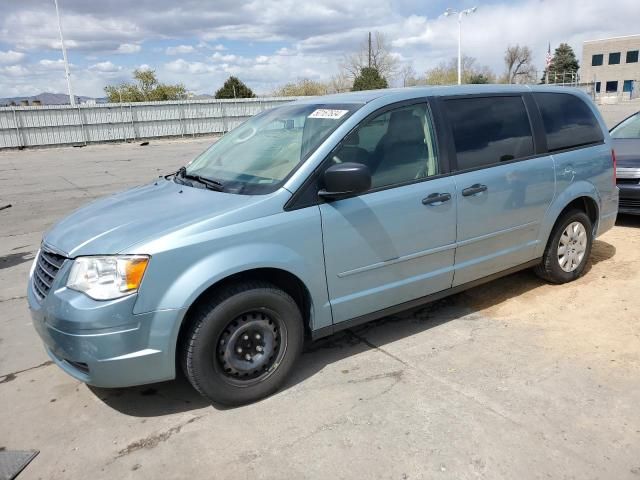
[267,43]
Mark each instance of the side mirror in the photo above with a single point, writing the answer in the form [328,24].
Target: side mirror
[345,179]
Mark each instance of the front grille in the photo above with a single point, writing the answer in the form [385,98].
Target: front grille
[47,266]
[629,203]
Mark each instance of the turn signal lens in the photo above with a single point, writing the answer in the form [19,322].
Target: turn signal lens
[135,269]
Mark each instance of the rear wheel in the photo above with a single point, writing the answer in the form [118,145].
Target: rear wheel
[243,343]
[568,249]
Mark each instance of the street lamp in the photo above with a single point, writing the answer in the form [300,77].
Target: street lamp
[72,99]
[448,12]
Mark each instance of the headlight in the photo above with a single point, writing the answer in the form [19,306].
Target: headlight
[106,278]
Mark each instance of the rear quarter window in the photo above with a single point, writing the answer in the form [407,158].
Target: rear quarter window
[568,121]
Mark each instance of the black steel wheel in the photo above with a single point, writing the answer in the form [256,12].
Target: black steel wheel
[242,343]
[250,346]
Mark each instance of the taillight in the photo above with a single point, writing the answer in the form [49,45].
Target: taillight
[613,159]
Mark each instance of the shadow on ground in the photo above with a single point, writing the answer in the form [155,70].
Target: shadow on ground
[178,395]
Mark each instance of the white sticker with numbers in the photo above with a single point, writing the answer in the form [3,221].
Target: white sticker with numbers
[328,113]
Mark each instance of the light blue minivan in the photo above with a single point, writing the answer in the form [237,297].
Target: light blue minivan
[317,216]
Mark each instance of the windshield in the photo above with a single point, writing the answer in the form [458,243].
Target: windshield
[259,155]
[630,128]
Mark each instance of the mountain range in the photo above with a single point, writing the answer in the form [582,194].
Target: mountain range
[48,98]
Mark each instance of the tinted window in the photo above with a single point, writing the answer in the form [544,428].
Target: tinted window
[568,121]
[627,86]
[398,146]
[612,87]
[487,131]
[598,87]
[632,56]
[614,58]
[596,60]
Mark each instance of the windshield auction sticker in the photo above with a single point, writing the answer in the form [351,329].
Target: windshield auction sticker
[328,113]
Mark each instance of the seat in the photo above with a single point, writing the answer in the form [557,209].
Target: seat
[352,152]
[401,153]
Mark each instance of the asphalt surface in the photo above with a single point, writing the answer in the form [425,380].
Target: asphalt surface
[513,380]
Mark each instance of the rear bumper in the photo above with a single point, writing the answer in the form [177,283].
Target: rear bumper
[135,350]
[629,198]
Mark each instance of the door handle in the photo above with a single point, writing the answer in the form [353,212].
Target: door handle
[436,198]
[474,190]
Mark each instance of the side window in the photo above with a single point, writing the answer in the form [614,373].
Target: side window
[629,128]
[398,146]
[568,121]
[489,130]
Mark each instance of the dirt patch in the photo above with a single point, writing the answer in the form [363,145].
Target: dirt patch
[595,318]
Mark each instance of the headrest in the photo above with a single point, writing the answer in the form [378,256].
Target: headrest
[404,126]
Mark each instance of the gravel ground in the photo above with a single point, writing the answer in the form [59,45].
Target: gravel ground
[514,379]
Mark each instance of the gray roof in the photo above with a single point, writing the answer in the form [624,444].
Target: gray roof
[399,94]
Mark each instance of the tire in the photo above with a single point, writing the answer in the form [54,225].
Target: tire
[551,267]
[243,343]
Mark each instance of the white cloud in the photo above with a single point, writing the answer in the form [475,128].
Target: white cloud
[179,50]
[182,66]
[128,48]
[106,67]
[52,64]
[219,47]
[11,57]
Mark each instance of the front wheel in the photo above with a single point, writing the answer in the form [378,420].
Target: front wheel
[568,249]
[243,343]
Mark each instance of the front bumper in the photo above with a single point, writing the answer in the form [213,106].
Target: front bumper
[629,197]
[103,343]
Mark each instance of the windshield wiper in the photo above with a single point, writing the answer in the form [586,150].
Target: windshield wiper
[207,182]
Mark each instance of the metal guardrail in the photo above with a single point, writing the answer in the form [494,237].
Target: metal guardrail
[112,122]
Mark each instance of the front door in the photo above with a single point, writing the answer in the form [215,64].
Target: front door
[396,242]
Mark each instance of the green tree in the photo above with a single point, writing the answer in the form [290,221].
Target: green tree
[147,88]
[369,79]
[478,78]
[564,65]
[234,88]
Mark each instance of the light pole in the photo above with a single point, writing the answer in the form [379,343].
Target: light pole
[72,99]
[448,12]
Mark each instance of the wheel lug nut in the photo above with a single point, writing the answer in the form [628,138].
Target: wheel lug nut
[258,337]
[239,350]
[258,348]
[247,357]
[246,337]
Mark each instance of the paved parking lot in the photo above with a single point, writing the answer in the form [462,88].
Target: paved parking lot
[515,379]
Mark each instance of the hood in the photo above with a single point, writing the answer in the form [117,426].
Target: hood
[112,224]
[627,152]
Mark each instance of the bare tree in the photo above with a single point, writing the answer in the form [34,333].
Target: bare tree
[517,60]
[374,52]
[340,82]
[408,75]
[446,73]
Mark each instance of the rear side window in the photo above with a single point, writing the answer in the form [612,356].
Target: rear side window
[568,121]
[489,130]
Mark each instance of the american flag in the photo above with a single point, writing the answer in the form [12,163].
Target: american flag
[549,57]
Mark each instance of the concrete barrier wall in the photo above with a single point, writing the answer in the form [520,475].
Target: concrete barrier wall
[84,124]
